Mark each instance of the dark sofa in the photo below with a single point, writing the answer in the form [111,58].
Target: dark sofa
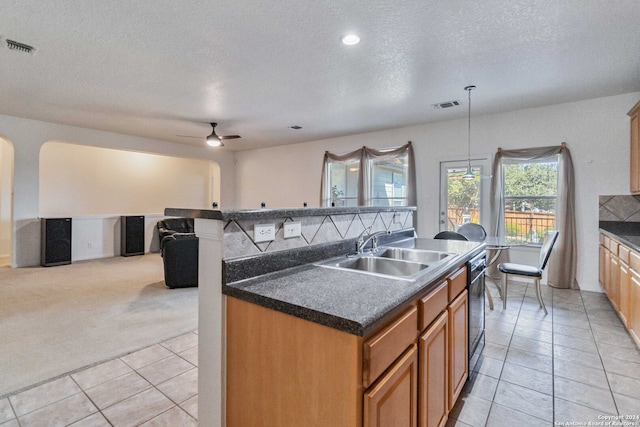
[179,250]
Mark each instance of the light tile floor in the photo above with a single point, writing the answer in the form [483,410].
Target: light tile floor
[156,386]
[577,364]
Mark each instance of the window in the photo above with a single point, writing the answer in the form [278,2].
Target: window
[387,178]
[530,191]
[343,179]
[389,181]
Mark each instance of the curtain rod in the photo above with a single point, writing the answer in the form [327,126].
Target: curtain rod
[563,145]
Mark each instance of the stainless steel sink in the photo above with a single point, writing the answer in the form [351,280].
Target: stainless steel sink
[414,255]
[378,266]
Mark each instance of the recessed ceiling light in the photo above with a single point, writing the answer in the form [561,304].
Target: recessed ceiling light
[350,39]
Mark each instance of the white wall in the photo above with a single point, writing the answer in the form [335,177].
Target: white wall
[77,180]
[596,132]
[28,136]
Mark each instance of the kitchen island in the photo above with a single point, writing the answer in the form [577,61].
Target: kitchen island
[294,342]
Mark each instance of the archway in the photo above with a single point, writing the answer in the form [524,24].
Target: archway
[6,201]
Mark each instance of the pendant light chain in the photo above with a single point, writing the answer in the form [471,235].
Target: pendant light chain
[469,174]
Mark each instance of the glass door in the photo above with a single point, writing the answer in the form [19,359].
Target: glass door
[461,200]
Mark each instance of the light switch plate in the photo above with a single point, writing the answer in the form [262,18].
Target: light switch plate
[292,229]
[264,232]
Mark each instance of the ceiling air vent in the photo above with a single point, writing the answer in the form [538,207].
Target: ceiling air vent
[446,104]
[20,47]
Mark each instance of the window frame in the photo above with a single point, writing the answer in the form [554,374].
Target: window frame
[537,228]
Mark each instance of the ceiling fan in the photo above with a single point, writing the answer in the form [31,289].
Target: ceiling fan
[214,140]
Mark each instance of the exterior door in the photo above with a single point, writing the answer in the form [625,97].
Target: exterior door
[462,200]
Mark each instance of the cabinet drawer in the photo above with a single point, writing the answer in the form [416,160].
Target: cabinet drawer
[623,254]
[457,283]
[634,260]
[384,347]
[605,241]
[434,303]
[613,247]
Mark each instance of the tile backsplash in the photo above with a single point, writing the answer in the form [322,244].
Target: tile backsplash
[238,234]
[625,208]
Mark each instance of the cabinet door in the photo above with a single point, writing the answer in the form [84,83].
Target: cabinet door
[434,374]
[624,279]
[601,265]
[614,283]
[634,321]
[458,346]
[393,399]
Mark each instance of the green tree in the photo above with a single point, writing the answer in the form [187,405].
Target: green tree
[530,179]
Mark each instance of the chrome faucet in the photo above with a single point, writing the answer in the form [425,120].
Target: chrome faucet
[361,243]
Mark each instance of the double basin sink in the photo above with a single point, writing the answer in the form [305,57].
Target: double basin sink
[400,263]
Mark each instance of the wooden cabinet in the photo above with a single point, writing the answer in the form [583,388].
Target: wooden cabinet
[624,281]
[458,346]
[285,371]
[393,400]
[619,274]
[385,346]
[634,182]
[433,406]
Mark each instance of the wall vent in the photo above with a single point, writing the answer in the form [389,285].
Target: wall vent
[20,47]
[446,104]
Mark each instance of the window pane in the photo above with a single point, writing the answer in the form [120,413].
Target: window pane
[530,191]
[343,183]
[389,181]
[463,197]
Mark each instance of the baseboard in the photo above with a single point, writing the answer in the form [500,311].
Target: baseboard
[5,260]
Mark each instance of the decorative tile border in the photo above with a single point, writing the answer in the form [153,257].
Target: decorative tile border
[623,208]
[238,234]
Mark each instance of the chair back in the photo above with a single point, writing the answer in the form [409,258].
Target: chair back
[449,235]
[545,252]
[472,231]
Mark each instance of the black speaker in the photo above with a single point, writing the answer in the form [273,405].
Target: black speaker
[55,243]
[132,235]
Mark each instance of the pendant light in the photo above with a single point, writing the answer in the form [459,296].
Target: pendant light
[468,176]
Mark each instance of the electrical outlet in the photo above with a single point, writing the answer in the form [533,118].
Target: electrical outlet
[292,229]
[264,232]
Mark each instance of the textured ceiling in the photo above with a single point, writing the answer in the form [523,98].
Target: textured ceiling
[160,68]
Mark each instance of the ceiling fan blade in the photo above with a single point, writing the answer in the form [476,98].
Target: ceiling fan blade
[190,136]
[229,137]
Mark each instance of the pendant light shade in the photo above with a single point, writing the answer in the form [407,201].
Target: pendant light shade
[468,176]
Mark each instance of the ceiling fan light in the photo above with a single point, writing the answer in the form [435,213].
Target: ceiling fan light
[214,141]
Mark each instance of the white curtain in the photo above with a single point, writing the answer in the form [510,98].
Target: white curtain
[563,261]
[365,155]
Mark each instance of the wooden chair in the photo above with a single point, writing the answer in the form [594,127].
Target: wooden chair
[508,268]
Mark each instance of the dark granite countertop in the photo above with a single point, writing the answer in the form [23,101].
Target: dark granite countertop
[352,302]
[240,214]
[627,233]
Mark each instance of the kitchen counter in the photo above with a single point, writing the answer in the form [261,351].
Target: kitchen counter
[349,301]
[627,233]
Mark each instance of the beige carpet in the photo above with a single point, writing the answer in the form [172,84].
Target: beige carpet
[55,320]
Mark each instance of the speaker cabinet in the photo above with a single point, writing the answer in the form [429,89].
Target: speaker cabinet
[132,235]
[55,244]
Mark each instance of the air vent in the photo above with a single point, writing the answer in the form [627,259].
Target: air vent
[20,47]
[446,104]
